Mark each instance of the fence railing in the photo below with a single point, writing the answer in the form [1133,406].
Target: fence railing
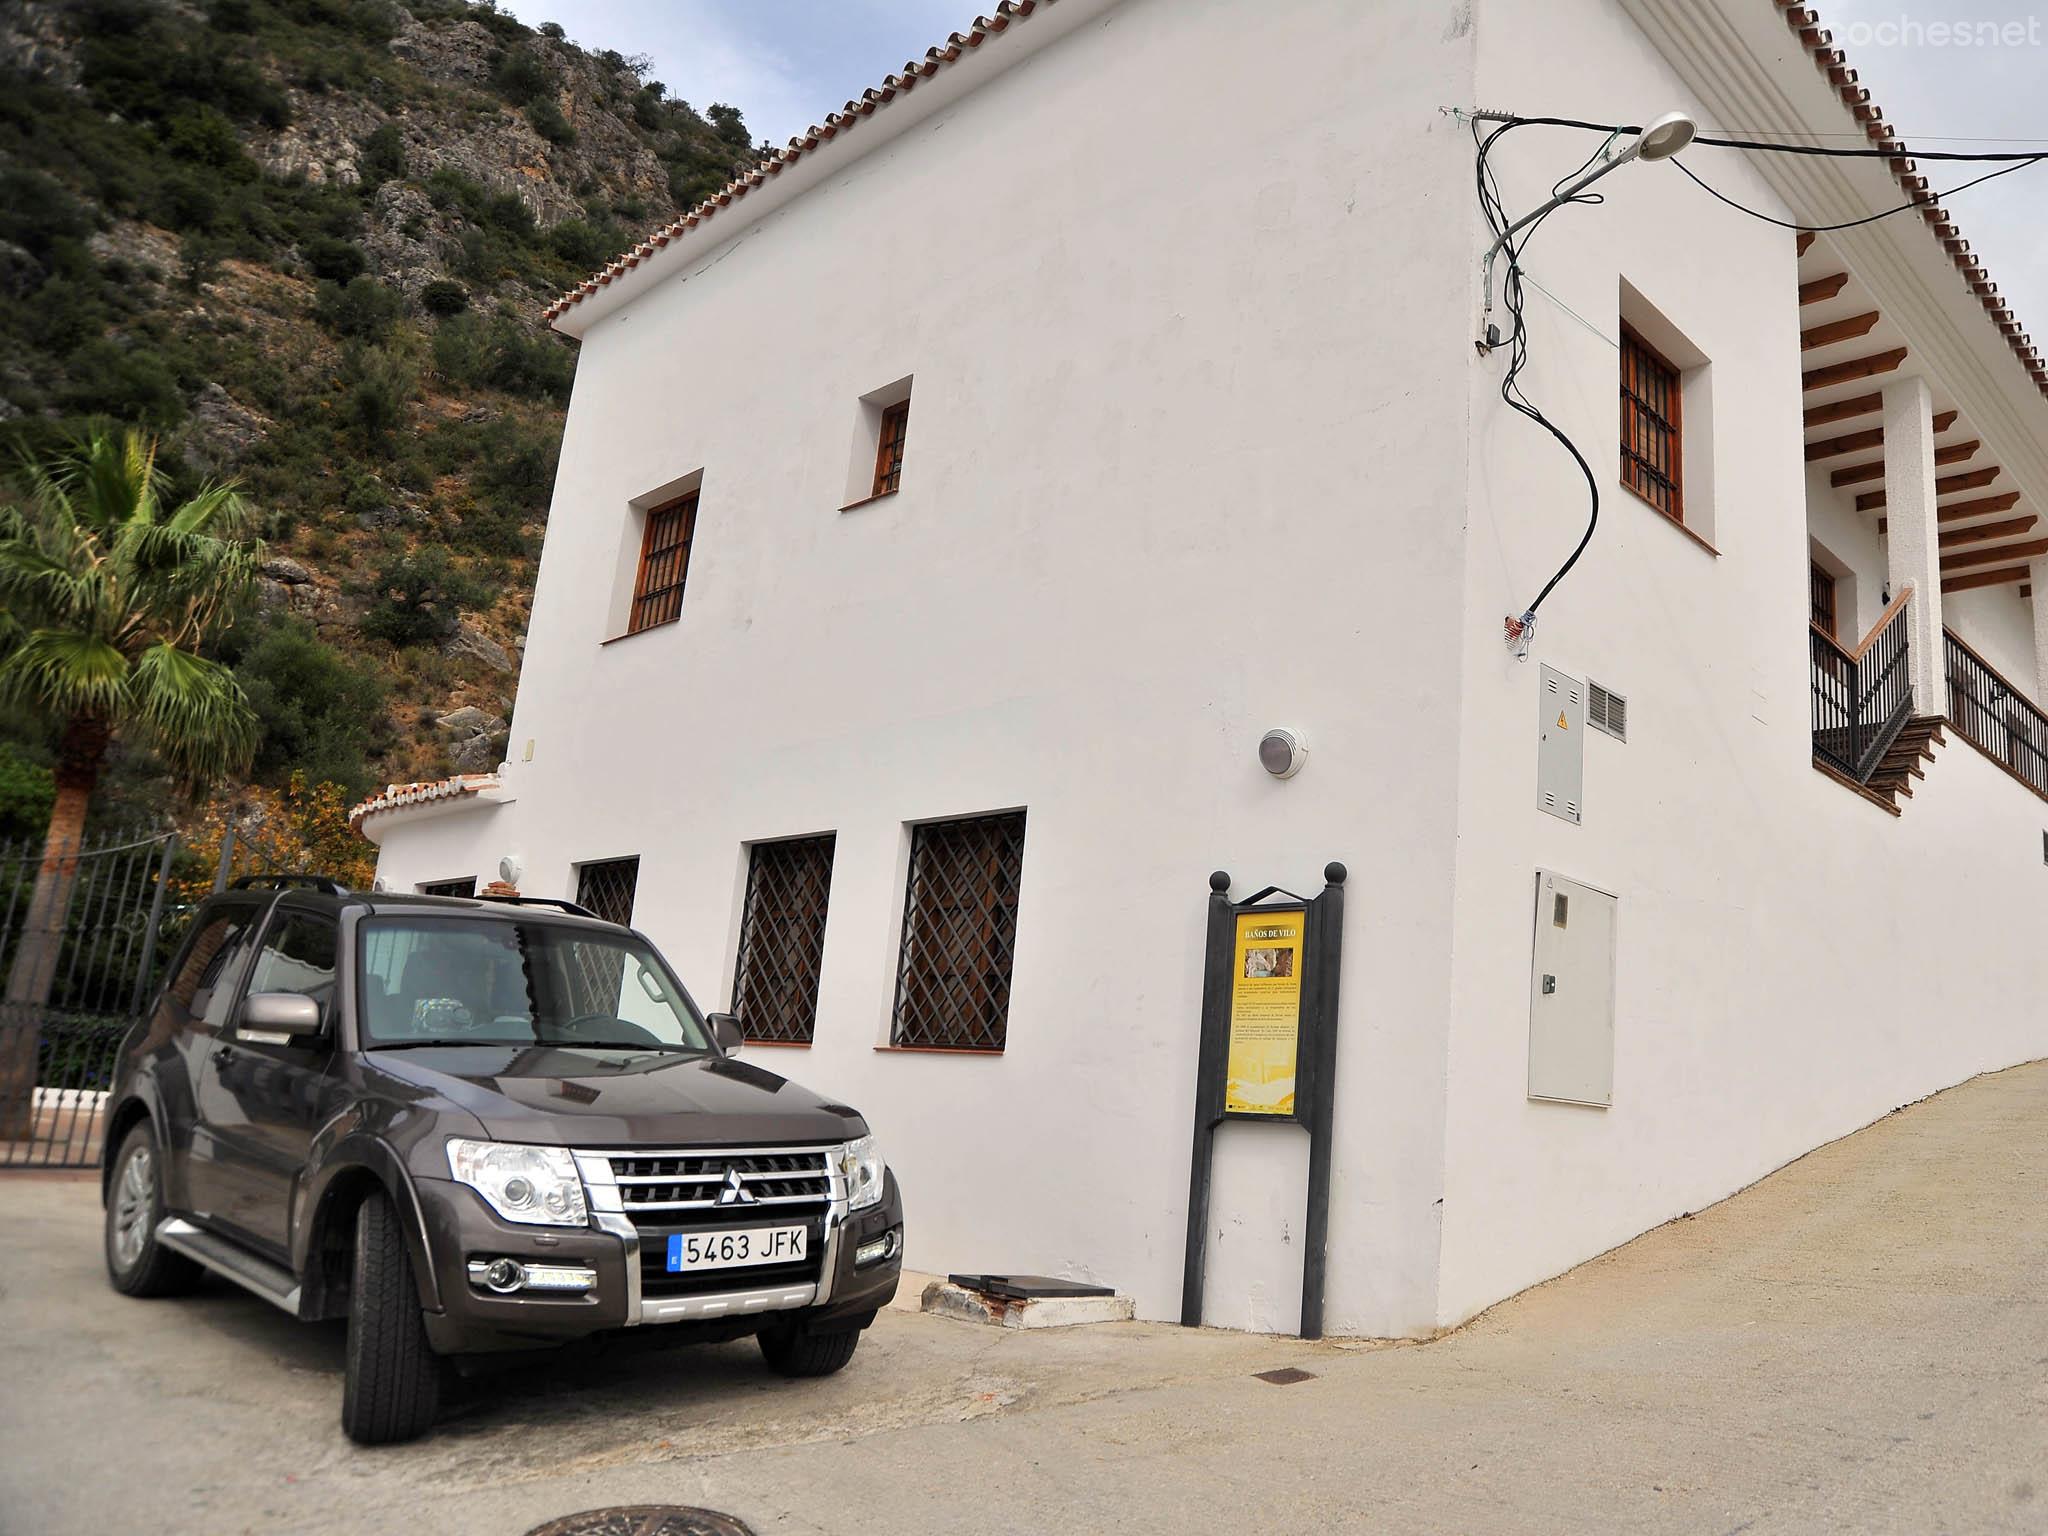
[1996,717]
[1861,698]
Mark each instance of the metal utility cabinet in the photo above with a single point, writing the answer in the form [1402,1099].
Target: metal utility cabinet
[1571,993]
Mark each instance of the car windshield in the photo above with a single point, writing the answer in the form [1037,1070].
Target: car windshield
[463,981]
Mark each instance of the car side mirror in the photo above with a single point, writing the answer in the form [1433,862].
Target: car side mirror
[281,1014]
[725,1029]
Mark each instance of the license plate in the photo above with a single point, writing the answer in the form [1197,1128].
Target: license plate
[730,1250]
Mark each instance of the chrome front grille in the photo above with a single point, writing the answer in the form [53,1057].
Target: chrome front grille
[787,1180]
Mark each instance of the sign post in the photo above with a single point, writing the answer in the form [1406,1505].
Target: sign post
[1268,1052]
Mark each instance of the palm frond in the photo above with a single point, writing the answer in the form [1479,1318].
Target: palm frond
[63,674]
[110,478]
[193,713]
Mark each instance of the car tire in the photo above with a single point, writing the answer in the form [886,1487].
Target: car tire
[795,1351]
[137,1263]
[394,1376]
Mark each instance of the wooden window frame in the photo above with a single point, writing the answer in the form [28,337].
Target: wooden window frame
[1639,473]
[664,566]
[889,446]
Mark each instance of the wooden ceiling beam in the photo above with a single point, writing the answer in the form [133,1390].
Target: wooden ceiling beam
[1854,368]
[1984,579]
[1822,288]
[1803,243]
[1943,420]
[1843,410]
[1838,330]
[1856,474]
[1969,557]
[1956,511]
[1948,485]
[2005,528]
[1848,442]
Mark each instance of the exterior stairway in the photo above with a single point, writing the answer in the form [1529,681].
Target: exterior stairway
[1902,762]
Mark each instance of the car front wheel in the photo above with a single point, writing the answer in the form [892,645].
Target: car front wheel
[136,1262]
[791,1349]
[394,1376]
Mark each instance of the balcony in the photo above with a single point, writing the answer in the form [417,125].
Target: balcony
[1995,717]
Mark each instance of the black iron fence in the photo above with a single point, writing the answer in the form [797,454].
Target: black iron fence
[1996,717]
[1861,698]
[79,975]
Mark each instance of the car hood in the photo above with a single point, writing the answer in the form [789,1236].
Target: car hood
[581,1097]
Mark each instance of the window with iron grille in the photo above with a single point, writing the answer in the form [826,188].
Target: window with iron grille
[959,933]
[664,563]
[889,454]
[782,939]
[1821,600]
[1651,438]
[606,889]
[449,887]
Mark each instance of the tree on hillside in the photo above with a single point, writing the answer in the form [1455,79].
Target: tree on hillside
[109,597]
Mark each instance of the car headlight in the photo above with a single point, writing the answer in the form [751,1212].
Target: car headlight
[861,1163]
[537,1185]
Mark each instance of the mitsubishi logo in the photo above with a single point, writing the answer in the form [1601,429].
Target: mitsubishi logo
[734,1191]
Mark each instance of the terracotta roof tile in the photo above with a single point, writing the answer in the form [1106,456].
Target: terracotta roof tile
[849,116]
[394,796]
[1803,20]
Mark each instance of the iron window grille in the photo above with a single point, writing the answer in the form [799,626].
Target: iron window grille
[1651,431]
[449,887]
[606,888]
[664,564]
[782,939]
[960,933]
[889,454]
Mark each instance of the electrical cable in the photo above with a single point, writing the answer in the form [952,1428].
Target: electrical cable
[1824,229]
[1764,145]
[1521,631]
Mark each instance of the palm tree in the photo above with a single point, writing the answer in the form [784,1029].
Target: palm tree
[107,597]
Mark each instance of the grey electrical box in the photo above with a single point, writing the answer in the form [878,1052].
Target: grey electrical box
[1571,993]
[1560,745]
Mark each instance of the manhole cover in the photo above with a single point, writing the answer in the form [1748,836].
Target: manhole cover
[1286,1376]
[644,1520]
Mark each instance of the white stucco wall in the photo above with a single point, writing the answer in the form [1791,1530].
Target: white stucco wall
[1792,961]
[1184,298]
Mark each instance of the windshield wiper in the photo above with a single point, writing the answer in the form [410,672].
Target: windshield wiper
[611,1045]
[415,1045]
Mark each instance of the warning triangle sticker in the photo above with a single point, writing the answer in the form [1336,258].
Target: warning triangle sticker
[1561,724]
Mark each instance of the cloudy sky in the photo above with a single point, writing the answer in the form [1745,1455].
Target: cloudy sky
[785,63]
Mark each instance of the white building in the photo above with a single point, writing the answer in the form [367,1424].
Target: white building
[1183,295]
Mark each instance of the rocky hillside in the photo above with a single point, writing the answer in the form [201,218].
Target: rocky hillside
[309,241]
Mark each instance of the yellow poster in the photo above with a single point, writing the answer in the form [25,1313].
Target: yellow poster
[1265,1013]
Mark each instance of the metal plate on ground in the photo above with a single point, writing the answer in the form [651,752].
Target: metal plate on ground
[1028,1287]
[1286,1376]
[644,1520]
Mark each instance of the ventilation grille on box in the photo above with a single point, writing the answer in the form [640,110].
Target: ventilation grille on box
[1607,711]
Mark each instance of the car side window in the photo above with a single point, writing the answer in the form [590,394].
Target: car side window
[200,985]
[298,955]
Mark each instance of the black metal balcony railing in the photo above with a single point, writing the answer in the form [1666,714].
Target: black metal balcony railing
[1861,698]
[1996,717]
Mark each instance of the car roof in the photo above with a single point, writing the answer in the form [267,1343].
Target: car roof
[384,903]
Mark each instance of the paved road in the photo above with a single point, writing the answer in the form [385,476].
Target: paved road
[1859,1343]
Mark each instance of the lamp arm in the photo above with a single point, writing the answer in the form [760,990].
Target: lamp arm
[1579,185]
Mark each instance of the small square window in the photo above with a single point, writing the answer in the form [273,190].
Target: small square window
[606,889]
[889,453]
[1652,443]
[664,564]
[448,887]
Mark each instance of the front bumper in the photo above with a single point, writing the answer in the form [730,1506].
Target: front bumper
[462,1228]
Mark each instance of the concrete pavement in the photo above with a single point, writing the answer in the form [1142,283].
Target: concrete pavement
[1858,1343]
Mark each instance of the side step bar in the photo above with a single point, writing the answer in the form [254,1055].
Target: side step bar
[273,1282]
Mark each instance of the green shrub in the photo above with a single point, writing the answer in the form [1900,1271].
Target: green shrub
[204,136]
[319,715]
[377,386]
[520,75]
[334,260]
[419,597]
[27,791]
[383,154]
[499,354]
[443,297]
[365,310]
[548,121]
[130,383]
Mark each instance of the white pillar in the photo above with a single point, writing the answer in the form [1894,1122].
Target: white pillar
[1913,537]
[2037,577]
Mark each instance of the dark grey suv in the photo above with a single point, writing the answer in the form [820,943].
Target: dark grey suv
[472,1125]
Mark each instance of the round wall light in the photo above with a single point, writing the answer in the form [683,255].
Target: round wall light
[1281,753]
[510,869]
